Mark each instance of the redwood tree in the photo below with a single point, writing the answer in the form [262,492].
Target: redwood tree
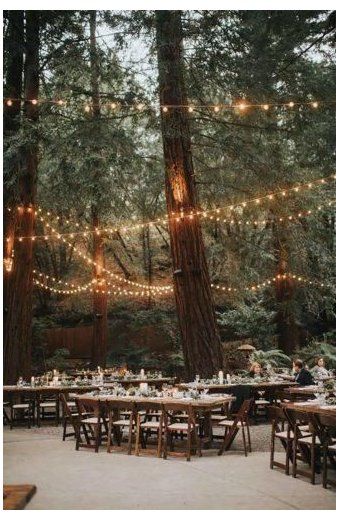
[18,321]
[193,297]
[287,330]
[99,351]
[14,49]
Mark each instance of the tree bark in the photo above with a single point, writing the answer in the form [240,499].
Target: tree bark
[287,330]
[14,49]
[99,351]
[193,297]
[18,322]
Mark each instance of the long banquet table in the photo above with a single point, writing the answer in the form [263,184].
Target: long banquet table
[241,391]
[203,405]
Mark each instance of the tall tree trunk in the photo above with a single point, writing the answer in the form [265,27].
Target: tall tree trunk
[99,350]
[14,51]
[18,323]
[194,302]
[287,330]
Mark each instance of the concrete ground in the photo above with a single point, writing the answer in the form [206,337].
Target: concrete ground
[67,479]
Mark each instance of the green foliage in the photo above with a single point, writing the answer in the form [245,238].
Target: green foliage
[58,360]
[319,348]
[250,319]
[150,340]
[273,357]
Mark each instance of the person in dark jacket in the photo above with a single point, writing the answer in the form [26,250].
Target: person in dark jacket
[302,376]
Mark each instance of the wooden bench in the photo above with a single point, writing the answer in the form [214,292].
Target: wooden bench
[17,496]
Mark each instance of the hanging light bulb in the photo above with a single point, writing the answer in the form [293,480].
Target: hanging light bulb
[266,107]
[165,109]
[9,102]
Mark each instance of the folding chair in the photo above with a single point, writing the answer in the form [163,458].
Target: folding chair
[232,427]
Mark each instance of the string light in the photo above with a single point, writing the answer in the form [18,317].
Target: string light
[191,107]
[56,234]
[190,215]
[269,281]
[118,291]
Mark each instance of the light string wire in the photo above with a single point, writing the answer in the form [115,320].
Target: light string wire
[190,107]
[175,216]
[92,287]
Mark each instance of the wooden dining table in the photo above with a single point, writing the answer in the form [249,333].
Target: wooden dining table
[204,405]
[311,407]
[241,391]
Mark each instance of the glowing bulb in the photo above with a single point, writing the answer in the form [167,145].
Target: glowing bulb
[87,108]
[60,102]
[165,109]
[34,102]
[190,109]
[291,104]
[242,106]
[9,102]
[315,104]
[266,107]
[216,108]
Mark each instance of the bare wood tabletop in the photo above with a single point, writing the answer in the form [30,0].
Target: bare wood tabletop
[310,407]
[203,403]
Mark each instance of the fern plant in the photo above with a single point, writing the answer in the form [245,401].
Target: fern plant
[273,357]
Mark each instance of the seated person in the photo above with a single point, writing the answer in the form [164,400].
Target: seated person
[319,371]
[302,376]
[255,370]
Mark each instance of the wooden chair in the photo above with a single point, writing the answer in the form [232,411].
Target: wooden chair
[92,421]
[304,444]
[69,417]
[278,419]
[260,407]
[173,425]
[328,433]
[150,422]
[115,410]
[5,406]
[22,411]
[47,407]
[232,427]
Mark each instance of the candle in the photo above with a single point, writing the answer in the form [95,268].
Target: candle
[142,372]
[143,386]
[228,377]
[221,377]
[99,369]
[32,381]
